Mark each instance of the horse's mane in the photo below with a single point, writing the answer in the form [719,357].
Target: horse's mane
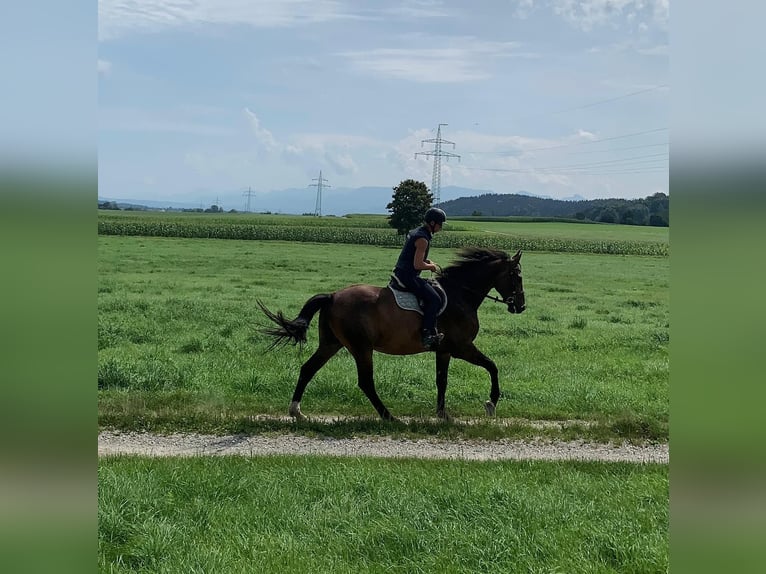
[469,257]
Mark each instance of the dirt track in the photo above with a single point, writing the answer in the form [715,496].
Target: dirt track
[115,443]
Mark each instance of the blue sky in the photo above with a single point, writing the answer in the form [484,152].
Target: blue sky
[200,98]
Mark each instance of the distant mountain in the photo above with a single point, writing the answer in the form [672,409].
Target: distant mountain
[335,201]
[150,203]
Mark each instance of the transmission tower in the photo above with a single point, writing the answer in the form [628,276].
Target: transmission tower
[438,153]
[249,193]
[320,185]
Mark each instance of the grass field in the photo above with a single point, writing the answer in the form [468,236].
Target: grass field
[565,230]
[180,350]
[325,515]
[179,345]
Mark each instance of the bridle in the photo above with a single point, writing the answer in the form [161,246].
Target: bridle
[510,300]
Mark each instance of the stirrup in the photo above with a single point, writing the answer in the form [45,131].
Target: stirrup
[431,341]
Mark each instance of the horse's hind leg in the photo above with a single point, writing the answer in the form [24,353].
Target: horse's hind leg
[328,346]
[323,354]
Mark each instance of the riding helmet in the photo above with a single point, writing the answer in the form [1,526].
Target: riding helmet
[435,214]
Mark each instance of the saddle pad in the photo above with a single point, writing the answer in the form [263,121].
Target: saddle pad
[407,300]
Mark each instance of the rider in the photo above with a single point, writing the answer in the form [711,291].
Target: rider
[412,260]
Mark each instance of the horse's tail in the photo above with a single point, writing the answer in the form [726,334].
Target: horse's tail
[294,331]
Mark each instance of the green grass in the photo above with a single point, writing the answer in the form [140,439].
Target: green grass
[179,341]
[560,230]
[317,514]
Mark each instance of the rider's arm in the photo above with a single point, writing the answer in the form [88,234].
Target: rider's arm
[420,263]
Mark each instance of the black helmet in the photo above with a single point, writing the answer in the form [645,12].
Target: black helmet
[435,214]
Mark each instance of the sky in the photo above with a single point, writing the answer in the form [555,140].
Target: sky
[199,99]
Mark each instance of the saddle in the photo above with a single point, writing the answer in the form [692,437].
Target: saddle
[407,300]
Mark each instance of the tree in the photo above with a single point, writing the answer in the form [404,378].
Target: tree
[635,215]
[410,201]
[608,215]
[108,205]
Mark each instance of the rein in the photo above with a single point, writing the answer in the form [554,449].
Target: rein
[498,299]
[507,301]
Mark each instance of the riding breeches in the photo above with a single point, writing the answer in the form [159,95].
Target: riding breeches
[431,300]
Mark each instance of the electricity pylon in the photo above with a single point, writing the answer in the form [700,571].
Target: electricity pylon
[438,153]
[249,193]
[320,185]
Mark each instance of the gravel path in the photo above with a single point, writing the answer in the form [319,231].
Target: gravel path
[115,443]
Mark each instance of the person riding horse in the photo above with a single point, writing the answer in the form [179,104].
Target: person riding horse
[412,260]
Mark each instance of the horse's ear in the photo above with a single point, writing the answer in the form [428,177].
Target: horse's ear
[517,257]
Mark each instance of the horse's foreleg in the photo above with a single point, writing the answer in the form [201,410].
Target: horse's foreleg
[364,372]
[442,367]
[323,354]
[472,355]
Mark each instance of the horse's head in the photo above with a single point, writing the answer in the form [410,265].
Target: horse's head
[510,285]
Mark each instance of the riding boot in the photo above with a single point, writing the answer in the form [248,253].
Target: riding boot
[431,339]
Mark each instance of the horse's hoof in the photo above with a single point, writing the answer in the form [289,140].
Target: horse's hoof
[444,415]
[489,407]
[295,412]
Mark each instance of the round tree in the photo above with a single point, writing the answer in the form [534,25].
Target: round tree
[410,201]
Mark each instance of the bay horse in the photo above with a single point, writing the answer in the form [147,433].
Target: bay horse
[366,318]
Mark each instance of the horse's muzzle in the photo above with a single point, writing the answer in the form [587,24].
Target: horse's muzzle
[516,304]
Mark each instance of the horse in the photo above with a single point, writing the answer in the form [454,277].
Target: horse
[366,318]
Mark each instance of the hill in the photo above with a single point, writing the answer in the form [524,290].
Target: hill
[651,210]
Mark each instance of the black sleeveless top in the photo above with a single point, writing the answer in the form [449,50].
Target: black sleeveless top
[404,265]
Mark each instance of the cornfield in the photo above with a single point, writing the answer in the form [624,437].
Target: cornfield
[362,231]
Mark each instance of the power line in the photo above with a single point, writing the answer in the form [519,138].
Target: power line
[639,170]
[634,134]
[628,162]
[517,151]
[618,148]
[588,105]
[599,102]
[619,160]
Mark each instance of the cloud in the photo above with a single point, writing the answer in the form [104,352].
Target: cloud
[589,14]
[264,136]
[418,9]
[118,119]
[462,60]
[343,164]
[524,7]
[117,18]
[103,67]
[659,50]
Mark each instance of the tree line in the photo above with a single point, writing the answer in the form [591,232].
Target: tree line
[653,210]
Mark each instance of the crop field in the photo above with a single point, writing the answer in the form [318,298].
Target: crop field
[374,230]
